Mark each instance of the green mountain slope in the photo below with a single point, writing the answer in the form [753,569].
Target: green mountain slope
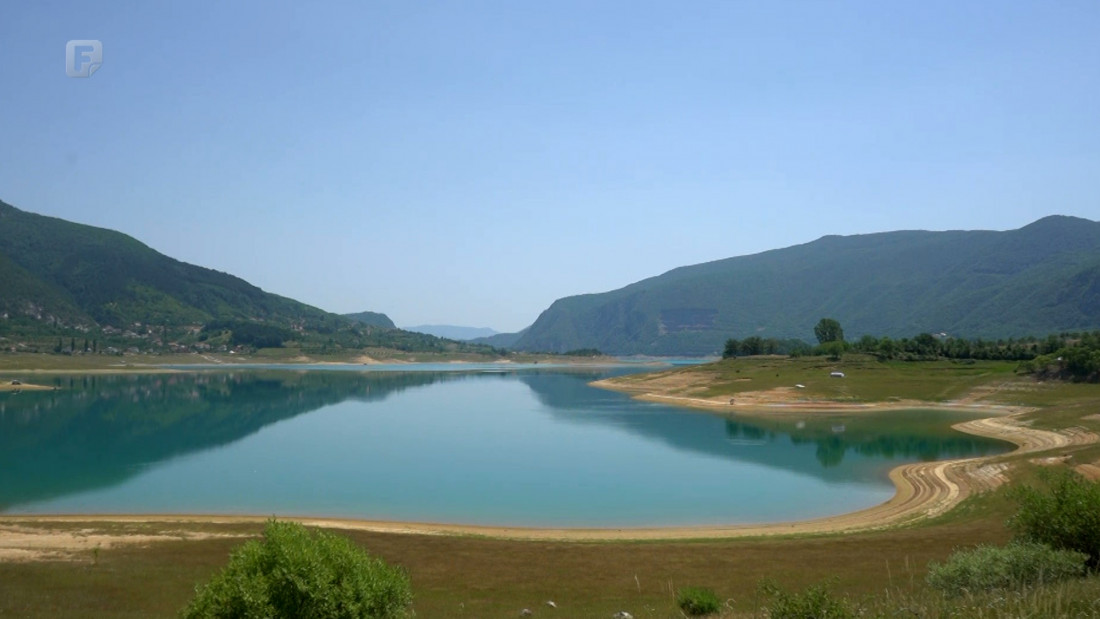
[1042,278]
[376,319]
[81,274]
[59,278]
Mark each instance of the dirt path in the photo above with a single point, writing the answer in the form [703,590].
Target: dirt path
[1089,471]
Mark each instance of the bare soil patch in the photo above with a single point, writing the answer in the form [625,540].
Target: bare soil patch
[23,541]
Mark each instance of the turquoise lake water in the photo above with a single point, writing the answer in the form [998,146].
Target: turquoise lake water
[485,445]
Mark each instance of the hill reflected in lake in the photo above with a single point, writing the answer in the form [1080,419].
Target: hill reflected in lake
[527,447]
[901,436]
[99,430]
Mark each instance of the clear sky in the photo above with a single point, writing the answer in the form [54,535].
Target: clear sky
[470,162]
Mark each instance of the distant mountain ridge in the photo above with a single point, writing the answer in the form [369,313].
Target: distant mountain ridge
[454,332]
[500,340]
[1042,278]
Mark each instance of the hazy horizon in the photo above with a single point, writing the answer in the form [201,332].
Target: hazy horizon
[470,164]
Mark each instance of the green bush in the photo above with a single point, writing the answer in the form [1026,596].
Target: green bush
[696,601]
[816,602]
[1065,516]
[295,573]
[1017,565]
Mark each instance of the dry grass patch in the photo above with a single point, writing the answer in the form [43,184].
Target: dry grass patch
[478,577]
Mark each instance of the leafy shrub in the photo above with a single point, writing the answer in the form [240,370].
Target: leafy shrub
[295,573]
[816,602]
[697,601]
[1017,565]
[1065,516]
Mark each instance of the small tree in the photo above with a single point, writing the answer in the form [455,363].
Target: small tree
[833,349]
[867,343]
[887,347]
[731,349]
[1066,516]
[295,573]
[752,345]
[828,330]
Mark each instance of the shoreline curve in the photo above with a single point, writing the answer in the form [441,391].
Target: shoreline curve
[922,490]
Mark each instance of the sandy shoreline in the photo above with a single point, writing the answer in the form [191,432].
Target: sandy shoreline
[775,402]
[923,490]
[8,385]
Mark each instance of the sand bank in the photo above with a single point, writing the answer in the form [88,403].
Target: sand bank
[18,385]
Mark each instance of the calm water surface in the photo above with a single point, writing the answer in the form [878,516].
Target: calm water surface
[533,447]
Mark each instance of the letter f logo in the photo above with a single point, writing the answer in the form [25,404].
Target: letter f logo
[83,57]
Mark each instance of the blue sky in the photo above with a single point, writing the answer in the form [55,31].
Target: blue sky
[471,162]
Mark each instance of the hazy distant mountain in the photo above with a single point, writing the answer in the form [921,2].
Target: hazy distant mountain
[453,332]
[1040,279]
[500,340]
[377,319]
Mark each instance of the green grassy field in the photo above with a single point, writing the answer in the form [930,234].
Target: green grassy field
[473,577]
[477,577]
[868,380]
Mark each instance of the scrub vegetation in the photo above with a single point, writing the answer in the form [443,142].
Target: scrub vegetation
[295,572]
[1016,565]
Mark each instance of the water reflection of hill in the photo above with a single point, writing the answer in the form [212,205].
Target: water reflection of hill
[818,447]
[96,431]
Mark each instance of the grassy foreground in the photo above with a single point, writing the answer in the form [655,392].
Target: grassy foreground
[477,577]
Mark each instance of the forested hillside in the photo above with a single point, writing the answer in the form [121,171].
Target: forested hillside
[89,288]
[1043,278]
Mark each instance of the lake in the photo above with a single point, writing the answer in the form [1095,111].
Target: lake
[484,445]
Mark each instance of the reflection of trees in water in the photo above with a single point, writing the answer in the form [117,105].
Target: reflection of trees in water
[99,430]
[747,432]
[816,451]
[830,451]
[834,442]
